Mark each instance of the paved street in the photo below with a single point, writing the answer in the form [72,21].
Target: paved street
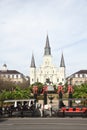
[43,124]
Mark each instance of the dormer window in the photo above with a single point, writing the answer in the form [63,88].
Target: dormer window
[86,75]
[81,75]
[76,75]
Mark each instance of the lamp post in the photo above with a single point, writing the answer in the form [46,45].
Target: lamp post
[60,93]
[35,91]
[45,90]
[70,91]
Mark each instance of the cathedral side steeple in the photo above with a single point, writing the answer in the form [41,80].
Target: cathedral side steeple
[62,63]
[47,49]
[32,62]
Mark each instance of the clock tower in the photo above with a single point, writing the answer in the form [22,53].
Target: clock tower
[47,58]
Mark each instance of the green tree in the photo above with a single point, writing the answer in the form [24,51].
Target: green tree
[19,93]
[80,91]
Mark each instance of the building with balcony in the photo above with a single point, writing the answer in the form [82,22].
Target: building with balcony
[78,78]
[11,75]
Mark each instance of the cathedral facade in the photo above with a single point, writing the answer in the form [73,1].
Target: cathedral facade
[47,73]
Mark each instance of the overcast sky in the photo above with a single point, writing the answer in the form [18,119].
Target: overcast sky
[24,25]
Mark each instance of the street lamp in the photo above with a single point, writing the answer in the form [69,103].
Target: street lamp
[60,93]
[70,91]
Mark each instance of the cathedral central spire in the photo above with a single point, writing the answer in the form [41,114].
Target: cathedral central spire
[47,49]
[32,62]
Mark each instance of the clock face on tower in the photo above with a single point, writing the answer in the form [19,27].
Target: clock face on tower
[47,62]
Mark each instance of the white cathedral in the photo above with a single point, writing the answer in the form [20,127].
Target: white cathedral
[47,73]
